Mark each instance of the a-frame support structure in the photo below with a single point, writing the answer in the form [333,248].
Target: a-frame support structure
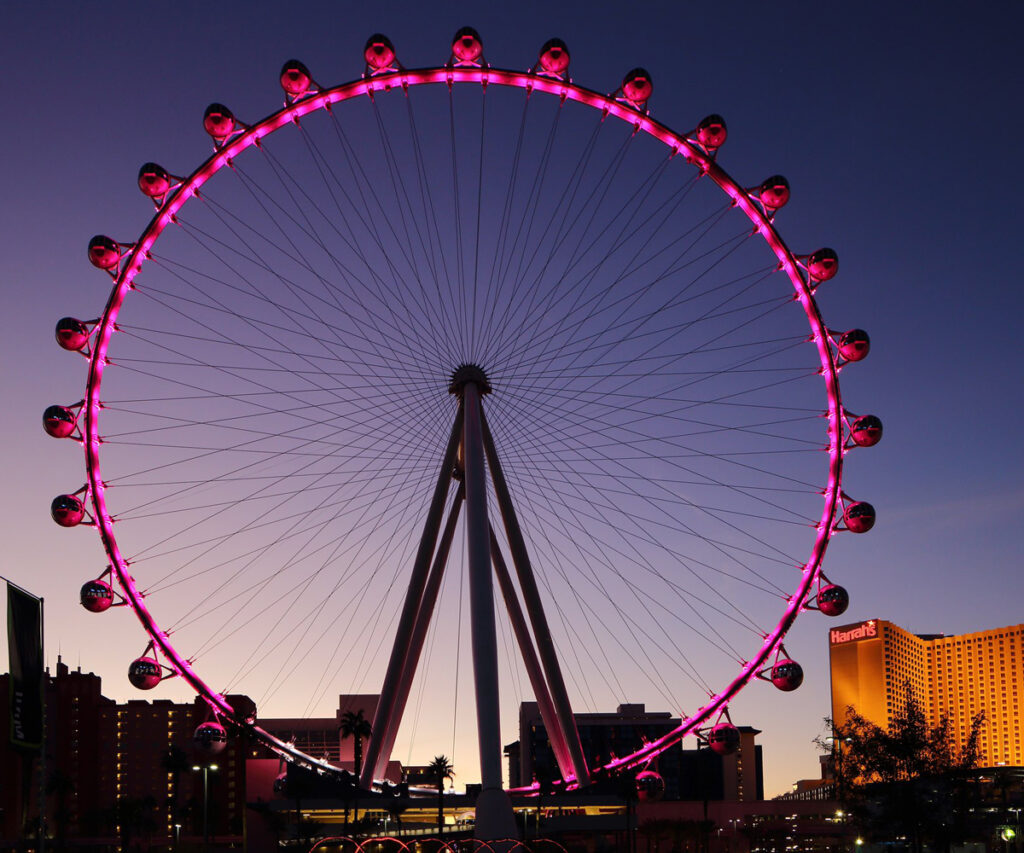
[468,456]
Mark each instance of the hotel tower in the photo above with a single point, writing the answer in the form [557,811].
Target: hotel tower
[872,662]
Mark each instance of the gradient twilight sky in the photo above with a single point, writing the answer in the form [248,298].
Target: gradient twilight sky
[894,123]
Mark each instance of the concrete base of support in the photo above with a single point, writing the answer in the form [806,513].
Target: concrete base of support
[495,819]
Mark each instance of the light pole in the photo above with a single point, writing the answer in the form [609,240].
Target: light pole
[206,768]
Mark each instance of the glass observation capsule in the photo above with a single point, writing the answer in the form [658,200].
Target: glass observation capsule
[209,739]
[154,180]
[295,78]
[72,334]
[787,675]
[467,46]
[379,53]
[866,431]
[218,121]
[104,252]
[637,86]
[859,517]
[554,57]
[96,596]
[712,132]
[724,738]
[67,510]
[650,787]
[59,421]
[854,345]
[823,264]
[833,600]
[774,192]
[145,673]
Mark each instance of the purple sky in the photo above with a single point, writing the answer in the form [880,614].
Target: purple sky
[894,124]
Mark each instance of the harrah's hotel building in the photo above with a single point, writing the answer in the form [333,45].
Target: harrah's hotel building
[871,663]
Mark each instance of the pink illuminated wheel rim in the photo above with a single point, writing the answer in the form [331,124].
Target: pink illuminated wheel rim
[267,389]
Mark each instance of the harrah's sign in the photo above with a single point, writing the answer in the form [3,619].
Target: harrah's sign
[861,632]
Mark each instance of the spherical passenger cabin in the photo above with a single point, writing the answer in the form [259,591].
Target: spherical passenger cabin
[854,345]
[712,132]
[650,786]
[823,264]
[833,600]
[145,673]
[104,252]
[59,421]
[774,192]
[467,45]
[96,596]
[154,180]
[209,739]
[295,78]
[218,121]
[787,675]
[554,57]
[637,86]
[72,334]
[379,53]
[67,510]
[859,517]
[866,431]
[724,738]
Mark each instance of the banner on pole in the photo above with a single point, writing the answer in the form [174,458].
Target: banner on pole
[25,648]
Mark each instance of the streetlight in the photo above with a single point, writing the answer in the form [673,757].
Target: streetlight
[206,768]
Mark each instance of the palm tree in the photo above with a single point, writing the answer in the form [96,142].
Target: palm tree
[355,725]
[441,768]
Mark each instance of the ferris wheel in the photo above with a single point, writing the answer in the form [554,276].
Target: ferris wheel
[449,341]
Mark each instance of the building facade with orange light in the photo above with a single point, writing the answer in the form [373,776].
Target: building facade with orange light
[957,677]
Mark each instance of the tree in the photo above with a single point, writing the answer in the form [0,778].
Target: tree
[355,725]
[907,780]
[441,768]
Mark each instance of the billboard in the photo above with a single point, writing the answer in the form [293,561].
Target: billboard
[25,649]
[852,633]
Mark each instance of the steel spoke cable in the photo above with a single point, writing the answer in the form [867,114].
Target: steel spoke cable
[303,263]
[627,211]
[518,253]
[336,186]
[615,439]
[460,267]
[540,347]
[642,532]
[429,209]
[565,226]
[492,295]
[565,201]
[431,332]
[335,543]
[310,619]
[727,549]
[262,323]
[546,336]
[401,194]
[587,571]
[479,217]
[171,536]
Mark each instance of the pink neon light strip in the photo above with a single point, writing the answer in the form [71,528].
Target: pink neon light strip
[441,75]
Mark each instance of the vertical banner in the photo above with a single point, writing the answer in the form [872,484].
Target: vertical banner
[25,647]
